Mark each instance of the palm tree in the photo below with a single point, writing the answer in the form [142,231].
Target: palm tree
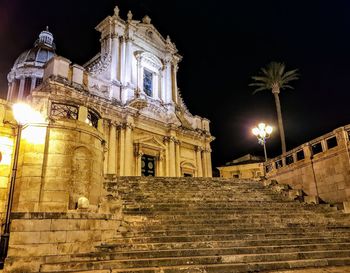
[274,78]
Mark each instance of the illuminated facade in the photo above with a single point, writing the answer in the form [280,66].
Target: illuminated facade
[120,114]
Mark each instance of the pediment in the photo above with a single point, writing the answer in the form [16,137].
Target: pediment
[152,141]
[151,34]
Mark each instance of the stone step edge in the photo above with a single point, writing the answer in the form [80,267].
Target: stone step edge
[227,235]
[117,244]
[206,256]
[213,249]
[284,265]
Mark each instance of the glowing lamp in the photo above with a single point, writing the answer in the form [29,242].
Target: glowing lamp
[262,132]
[24,114]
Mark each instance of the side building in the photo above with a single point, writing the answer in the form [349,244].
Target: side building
[120,114]
[244,167]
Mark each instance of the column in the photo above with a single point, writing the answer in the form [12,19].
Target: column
[205,165]
[121,150]
[138,73]
[21,89]
[128,158]
[138,154]
[168,91]
[199,161]
[172,162]
[128,66]
[10,90]
[160,164]
[163,84]
[167,160]
[34,79]
[122,60]
[177,158]
[209,167]
[114,61]
[105,154]
[174,81]
[112,149]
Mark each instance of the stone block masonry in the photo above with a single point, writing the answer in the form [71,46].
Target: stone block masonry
[41,237]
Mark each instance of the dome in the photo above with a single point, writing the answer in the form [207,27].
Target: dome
[28,70]
[40,54]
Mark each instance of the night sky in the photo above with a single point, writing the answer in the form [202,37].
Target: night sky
[223,44]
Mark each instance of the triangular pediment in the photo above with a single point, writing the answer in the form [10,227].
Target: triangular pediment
[150,142]
[151,34]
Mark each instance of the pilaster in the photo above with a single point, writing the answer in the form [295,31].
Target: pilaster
[128,146]
[177,158]
[122,150]
[199,161]
[115,57]
[112,149]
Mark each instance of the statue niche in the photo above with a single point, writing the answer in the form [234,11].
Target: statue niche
[81,175]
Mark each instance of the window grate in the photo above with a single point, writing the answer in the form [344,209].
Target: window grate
[64,111]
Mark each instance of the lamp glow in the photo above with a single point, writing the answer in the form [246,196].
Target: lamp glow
[24,114]
[262,132]
[269,129]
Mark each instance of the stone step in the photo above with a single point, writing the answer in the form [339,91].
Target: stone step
[223,204]
[231,218]
[208,251]
[230,268]
[225,237]
[214,230]
[217,244]
[193,260]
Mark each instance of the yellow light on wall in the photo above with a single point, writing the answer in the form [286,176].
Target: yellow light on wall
[34,134]
[26,115]
[6,147]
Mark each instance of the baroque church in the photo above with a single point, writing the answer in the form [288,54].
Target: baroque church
[119,114]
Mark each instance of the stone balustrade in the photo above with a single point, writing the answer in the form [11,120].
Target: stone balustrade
[320,167]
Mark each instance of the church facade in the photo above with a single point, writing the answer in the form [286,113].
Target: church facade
[120,114]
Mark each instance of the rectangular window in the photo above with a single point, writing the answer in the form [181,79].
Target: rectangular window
[316,148]
[147,82]
[289,159]
[279,164]
[27,86]
[332,142]
[38,81]
[300,155]
[92,119]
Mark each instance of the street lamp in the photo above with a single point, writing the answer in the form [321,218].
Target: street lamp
[24,115]
[262,132]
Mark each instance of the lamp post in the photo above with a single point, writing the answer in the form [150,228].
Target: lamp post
[23,114]
[262,132]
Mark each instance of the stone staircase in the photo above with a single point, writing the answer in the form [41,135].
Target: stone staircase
[197,225]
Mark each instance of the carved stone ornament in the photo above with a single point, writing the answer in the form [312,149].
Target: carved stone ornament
[101,64]
[146,20]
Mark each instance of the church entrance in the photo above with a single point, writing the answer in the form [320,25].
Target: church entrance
[148,165]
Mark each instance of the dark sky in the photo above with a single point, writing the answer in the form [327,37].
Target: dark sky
[223,44]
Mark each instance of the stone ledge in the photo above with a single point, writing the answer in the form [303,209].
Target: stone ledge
[63,215]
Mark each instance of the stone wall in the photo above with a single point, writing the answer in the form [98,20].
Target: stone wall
[7,137]
[320,167]
[37,238]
